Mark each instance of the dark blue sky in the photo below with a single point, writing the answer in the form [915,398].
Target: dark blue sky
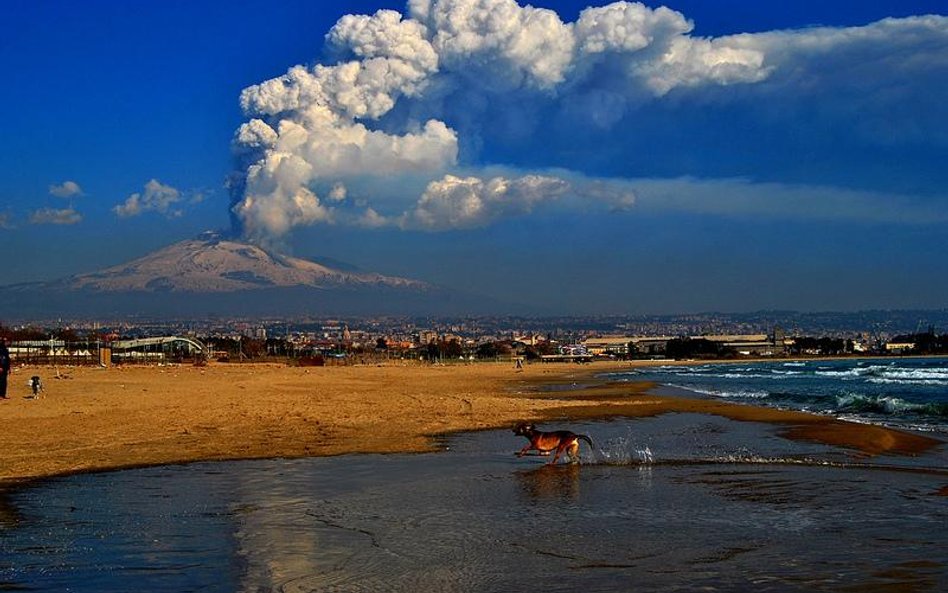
[800,166]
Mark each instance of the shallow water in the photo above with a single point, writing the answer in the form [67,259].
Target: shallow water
[677,503]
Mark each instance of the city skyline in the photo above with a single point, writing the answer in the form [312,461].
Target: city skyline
[624,158]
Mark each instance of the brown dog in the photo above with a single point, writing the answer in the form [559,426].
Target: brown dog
[551,442]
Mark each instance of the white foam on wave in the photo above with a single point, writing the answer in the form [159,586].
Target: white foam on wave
[911,374]
[891,381]
[726,394]
[857,372]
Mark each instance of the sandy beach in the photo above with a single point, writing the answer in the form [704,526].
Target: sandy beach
[91,419]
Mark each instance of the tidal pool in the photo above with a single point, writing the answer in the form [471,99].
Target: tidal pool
[681,502]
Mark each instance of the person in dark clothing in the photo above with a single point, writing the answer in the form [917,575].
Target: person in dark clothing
[4,367]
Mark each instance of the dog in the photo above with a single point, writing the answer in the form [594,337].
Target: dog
[36,385]
[551,442]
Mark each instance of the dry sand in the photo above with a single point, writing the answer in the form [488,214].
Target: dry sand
[98,419]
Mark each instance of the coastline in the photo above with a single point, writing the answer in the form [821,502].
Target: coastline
[96,419]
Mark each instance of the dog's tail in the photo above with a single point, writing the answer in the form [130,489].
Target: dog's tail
[585,438]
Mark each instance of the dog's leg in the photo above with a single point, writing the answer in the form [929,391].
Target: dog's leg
[559,451]
[573,452]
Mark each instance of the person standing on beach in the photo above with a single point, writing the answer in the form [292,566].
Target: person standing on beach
[4,367]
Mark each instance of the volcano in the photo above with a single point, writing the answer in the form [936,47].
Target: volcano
[213,275]
[211,264]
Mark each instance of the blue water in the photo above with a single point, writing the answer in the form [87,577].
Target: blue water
[680,502]
[903,392]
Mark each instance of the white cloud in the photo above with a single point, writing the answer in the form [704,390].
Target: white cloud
[65,216]
[420,94]
[386,36]
[306,130]
[371,219]
[6,221]
[498,41]
[156,197]
[627,27]
[276,198]
[66,189]
[338,192]
[653,48]
[469,202]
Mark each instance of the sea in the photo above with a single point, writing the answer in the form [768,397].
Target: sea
[679,502]
[902,392]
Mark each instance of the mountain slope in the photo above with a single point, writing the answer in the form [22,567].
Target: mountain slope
[213,276]
[210,264]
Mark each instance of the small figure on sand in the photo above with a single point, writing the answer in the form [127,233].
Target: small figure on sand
[36,385]
[519,365]
[4,367]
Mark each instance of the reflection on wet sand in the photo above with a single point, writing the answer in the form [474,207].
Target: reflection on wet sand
[273,539]
[9,514]
[550,483]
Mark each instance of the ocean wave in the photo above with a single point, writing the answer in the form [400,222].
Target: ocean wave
[742,376]
[888,406]
[890,381]
[727,394]
[911,374]
[849,373]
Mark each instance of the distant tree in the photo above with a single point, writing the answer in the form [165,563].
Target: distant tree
[253,348]
[381,344]
[66,334]
[697,348]
[546,348]
[431,352]
[450,349]
[277,347]
[824,345]
[487,350]
[26,333]
[540,349]
[926,343]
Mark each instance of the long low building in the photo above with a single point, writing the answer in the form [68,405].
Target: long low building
[621,345]
[758,344]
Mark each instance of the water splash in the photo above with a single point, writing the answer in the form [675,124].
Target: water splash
[645,455]
[624,450]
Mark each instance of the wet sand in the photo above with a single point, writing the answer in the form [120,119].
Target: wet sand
[94,419]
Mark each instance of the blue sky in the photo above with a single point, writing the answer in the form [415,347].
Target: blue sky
[724,155]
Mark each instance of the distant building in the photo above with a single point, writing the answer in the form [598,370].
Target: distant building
[899,347]
[157,348]
[608,345]
[753,344]
[651,346]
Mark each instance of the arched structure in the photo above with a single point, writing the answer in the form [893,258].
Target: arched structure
[158,348]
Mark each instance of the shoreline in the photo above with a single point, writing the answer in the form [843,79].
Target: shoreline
[126,417]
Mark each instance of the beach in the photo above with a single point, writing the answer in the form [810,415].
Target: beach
[96,419]
[401,477]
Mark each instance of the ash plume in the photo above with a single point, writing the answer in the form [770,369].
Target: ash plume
[390,130]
